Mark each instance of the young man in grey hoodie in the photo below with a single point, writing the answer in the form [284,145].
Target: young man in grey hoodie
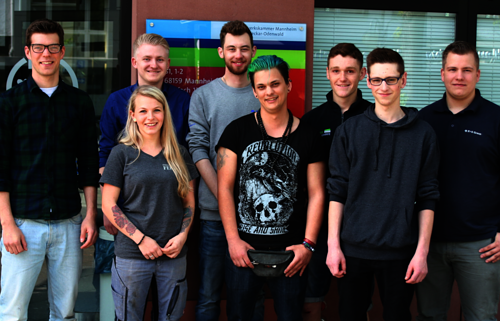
[213,106]
[383,189]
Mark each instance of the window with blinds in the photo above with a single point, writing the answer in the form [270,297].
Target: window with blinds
[420,38]
[488,48]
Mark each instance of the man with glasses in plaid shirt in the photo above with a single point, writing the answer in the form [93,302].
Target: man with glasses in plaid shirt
[48,149]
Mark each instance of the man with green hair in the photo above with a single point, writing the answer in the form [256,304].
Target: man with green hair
[271,193]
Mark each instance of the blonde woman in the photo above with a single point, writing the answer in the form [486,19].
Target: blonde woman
[154,176]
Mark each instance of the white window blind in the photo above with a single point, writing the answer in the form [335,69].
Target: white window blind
[420,38]
[488,47]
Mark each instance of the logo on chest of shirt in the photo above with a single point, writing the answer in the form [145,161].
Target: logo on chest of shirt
[326,132]
[166,167]
[472,132]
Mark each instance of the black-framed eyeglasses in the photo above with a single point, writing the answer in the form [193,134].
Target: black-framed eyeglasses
[388,80]
[39,48]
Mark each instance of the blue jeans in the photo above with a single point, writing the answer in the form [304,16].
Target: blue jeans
[243,288]
[57,242]
[478,282]
[130,281]
[212,252]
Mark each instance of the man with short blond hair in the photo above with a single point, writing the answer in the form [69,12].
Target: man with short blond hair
[151,60]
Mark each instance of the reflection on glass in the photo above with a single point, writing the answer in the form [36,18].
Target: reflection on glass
[91,55]
[92,30]
[488,48]
[420,38]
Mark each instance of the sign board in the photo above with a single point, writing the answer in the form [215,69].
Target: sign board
[194,60]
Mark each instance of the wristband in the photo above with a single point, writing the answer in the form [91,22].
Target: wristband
[311,243]
[308,246]
[143,236]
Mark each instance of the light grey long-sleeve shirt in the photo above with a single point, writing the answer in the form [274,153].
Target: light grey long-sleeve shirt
[213,106]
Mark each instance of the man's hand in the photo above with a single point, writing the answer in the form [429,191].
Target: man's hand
[89,230]
[300,261]
[491,252]
[110,228]
[417,269]
[174,245]
[13,239]
[335,260]
[238,252]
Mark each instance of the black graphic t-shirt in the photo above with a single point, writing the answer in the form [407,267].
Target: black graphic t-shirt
[270,190]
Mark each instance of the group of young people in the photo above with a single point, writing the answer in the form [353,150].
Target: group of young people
[413,195]
[358,190]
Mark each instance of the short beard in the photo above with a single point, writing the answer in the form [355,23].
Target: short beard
[236,72]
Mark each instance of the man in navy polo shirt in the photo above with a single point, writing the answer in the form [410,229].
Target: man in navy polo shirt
[344,71]
[465,241]
[151,61]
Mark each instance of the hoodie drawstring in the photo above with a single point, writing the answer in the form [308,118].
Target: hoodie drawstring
[377,147]
[392,152]
[377,141]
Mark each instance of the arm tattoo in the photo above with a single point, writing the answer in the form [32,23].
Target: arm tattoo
[188,213]
[122,221]
[221,155]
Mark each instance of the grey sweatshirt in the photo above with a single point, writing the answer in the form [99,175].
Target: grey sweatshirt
[213,106]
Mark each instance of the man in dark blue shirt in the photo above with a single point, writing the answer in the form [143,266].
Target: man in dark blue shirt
[465,240]
[344,71]
[151,61]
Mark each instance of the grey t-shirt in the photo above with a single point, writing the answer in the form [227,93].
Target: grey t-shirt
[149,190]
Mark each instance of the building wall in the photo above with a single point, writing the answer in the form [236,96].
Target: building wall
[291,11]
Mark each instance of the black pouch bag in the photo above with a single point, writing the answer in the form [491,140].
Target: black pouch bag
[270,264]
